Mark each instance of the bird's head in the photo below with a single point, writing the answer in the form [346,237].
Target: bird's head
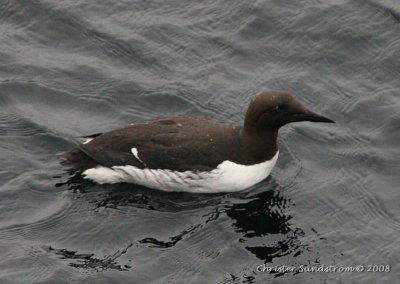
[273,109]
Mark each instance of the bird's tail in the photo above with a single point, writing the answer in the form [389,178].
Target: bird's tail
[77,160]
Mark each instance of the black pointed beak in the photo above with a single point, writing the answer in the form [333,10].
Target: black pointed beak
[312,116]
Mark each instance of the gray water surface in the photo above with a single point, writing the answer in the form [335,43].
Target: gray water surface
[72,68]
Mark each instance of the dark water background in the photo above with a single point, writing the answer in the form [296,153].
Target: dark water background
[74,67]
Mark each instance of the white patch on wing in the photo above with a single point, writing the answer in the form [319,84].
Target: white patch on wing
[226,177]
[87,140]
[136,154]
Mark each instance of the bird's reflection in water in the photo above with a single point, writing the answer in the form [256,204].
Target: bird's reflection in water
[128,195]
[256,215]
[91,262]
[260,216]
[264,224]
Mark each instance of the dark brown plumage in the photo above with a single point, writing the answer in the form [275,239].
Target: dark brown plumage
[184,143]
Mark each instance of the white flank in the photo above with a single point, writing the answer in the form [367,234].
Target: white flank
[226,177]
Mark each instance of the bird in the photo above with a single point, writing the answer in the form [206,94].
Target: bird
[191,154]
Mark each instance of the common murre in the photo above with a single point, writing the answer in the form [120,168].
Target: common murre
[192,154]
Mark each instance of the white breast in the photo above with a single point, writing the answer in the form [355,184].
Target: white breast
[226,177]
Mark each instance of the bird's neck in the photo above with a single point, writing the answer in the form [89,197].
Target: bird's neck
[261,144]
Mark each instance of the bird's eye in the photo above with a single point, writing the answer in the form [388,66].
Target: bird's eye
[280,107]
